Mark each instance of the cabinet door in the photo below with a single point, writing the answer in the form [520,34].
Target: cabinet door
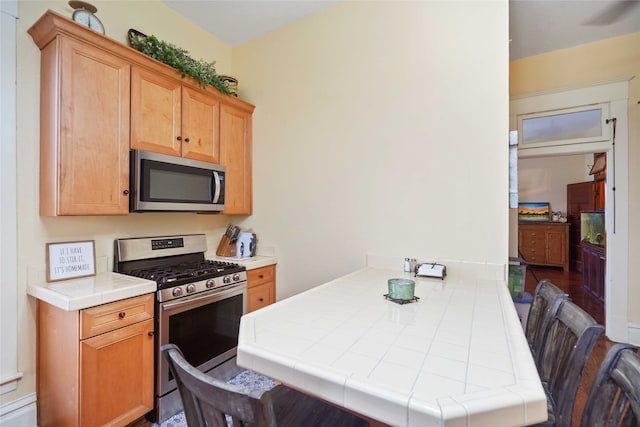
[235,154]
[261,284]
[116,375]
[200,124]
[93,134]
[557,247]
[260,296]
[156,112]
[587,269]
[600,274]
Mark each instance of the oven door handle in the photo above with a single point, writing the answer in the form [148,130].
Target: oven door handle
[217,295]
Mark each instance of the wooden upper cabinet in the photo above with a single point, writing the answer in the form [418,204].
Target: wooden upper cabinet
[200,125]
[235,154]
[84,138]
[156,112]
[170,118]
[100,98]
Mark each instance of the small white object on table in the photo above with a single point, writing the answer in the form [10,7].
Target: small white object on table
[456,357]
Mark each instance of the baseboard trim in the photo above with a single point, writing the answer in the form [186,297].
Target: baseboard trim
[20,412]
[634,333]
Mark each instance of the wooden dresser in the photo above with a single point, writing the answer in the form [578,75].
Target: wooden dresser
[544,243]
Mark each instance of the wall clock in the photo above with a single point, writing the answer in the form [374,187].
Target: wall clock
[84,15]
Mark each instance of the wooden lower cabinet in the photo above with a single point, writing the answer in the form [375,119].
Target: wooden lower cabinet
[95,366]
[593,270]
[544,244]
[261,287]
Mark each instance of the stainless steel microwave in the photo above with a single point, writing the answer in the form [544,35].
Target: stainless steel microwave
[174,184]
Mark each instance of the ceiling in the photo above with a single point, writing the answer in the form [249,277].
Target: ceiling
[535,26]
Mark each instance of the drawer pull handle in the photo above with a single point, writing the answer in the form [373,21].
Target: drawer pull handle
[262,276]
[261,299]
[122,314]
[150,333]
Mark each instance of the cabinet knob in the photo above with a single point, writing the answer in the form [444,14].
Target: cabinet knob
[125,192]
[262,276]
[122,314]
[179,138]
[261,299]
[150,333]
[186,140]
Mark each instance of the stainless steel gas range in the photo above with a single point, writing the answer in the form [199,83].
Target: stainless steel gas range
[199,304]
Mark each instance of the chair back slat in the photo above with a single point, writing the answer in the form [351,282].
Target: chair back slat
[565,349]
[199,391]
[614,399]
[545,304]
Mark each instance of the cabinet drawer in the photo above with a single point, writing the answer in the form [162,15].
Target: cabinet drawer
[108,317]
[261,275]
[260,296]
[530,253]
[533,241]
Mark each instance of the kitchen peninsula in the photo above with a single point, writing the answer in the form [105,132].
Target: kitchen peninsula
[457,356]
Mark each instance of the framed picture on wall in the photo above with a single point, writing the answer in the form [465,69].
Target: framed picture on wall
[533,211]
[68,260]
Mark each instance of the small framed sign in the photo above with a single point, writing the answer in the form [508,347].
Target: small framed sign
[69,260]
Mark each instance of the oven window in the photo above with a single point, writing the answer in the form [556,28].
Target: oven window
[207,331]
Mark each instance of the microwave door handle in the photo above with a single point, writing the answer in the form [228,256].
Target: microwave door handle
[215,187]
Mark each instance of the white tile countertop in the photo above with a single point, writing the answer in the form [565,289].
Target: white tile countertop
[456,357]
[78,294]
[106,286]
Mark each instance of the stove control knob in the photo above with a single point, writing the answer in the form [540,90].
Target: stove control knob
[191,288]
[236,277]
[210,283]
[176,292]
[227,279]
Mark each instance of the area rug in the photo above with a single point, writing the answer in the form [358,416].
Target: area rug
[248,379]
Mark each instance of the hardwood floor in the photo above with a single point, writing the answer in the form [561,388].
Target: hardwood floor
[571,283]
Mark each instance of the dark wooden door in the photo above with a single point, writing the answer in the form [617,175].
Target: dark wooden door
[580,198]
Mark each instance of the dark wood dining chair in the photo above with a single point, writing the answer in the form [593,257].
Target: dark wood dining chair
[566,346]
[207,400]
[545,305]
[614,399]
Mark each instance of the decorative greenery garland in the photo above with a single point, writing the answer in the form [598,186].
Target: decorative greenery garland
[201,71]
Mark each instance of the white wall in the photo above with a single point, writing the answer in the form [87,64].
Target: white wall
[545,179]
[33,231]
[380,127]
[8,331]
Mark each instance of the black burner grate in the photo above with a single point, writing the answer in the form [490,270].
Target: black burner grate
[176,274]
[401,301]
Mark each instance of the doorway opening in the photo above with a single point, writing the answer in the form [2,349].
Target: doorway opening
[554,250]
[615,96]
